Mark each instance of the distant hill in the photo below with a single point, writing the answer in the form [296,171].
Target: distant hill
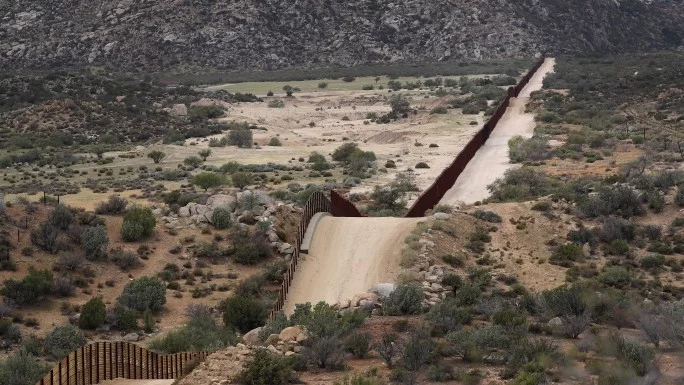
[147,35]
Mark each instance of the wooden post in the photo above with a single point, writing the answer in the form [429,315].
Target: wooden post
[97,362]
[60,373]
[68,370]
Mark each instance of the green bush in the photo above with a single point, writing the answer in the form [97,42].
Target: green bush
[94,241]
[322,320]
[242,137]
[61,217]
[679,196]
[243,314]
[405,299]
[447,316]
[418,350]
[93,314]
[114,205]
[36,284]
[654,261]
[142,294]
[266,369]
[220,218]
[639,357]
[62,340]
[200,333]
[125,260]
[488,216]
[138,223]
[479,344]
[467,295]
[566,254]
[618,247]
[242,179]
[616,276]
[21,368]
[523,150]
[207,180]
[358,344]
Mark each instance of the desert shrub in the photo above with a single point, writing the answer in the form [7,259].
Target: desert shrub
[242,179]
[207,180]
[616,228]
[138,223]
[220,218]
[438,110]
[94,241]
[477,345]
[523,150]
[488,216]
[618,247]
[250,250]
[200,333]
[325,352]
[266,369]
[46,238]
[123,319]
[422,165]
[358,344]
[192,161]
[322,85]
[142,294]
[565,255]
[441,372]
[451,279]
[569,304]
[621,201]
[93,314]
[405,299]
[467,295]
[510,318]
[274,272]
[344,152]
[114,205]
[63,287]
[417,351]
[62,340]
[251,286]
[388,348]
[639,357]
[520,184]
[654,261]
[447,316]
[243,314]
[322,320]
[125,260]
[679,196]
[61,217]
[243,137]
[21,368]
[36,284]
[616,276]
[400,105]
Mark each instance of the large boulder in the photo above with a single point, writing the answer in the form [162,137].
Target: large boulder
[383,290]
[221,200]
[290,334]
[252,337]
[179,110]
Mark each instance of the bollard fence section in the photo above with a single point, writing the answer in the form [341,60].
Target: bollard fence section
[317,203]
[100,361]
[431,197]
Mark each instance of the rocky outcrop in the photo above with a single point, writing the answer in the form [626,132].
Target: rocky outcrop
[267,34]
[221,367]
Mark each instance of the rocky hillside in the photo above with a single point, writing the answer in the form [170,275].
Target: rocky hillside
[136,35]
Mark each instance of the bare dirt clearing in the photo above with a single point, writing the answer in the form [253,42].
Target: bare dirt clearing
[347,257]
[491,161]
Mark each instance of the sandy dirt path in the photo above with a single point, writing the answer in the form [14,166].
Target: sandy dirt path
[491,161]
[347,257]
[137,382]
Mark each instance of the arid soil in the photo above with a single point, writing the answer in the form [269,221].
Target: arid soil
[492,161]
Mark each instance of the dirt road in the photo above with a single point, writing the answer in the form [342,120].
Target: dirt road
[347,257]
[491,161]
[137,382]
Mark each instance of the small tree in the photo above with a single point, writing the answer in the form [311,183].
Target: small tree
[30,289]
[138,223]
[204,154]
[241,137]
[142,294]
[207,180]
[156,156]
[94,241]
[220,218]
[192,161]
[266,369]
[63,340]
[405,299]
[93,314]
[242,179]
[61,217]
[400,105]
[243,314]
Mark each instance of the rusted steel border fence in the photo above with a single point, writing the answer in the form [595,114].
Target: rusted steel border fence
[341,207]
[100,361]
[431,197]
[317,203]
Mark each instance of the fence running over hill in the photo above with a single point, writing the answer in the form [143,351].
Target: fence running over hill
[100,361]
[317,203]
[431,197]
